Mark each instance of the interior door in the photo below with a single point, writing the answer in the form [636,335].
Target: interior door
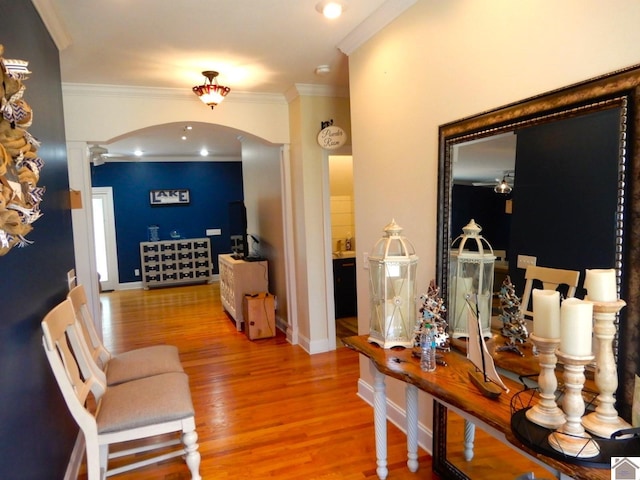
[104,231]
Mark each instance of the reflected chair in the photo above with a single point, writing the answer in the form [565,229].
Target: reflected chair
[127,366]
[551,279]
[139,409]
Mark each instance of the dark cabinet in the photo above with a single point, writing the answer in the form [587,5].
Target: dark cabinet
[344,287]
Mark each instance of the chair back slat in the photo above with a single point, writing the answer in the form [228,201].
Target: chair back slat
[99,353]
[551,279]
[68,357]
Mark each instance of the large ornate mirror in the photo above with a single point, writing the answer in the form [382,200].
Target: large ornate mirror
[575,201]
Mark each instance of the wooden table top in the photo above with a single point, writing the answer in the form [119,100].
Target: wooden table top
[451,385]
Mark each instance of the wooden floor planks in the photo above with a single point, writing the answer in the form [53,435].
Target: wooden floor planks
[265,409]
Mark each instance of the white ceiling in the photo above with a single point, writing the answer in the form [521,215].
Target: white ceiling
[262,46]
[485,160]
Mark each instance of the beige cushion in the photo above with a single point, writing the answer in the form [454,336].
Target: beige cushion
[143,362]
[146,401]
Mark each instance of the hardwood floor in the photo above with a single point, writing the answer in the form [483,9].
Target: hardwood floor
[264,409]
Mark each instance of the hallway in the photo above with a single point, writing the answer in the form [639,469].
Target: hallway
[265,408]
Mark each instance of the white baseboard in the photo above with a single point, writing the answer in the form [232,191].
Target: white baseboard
[138,285]
[398,416]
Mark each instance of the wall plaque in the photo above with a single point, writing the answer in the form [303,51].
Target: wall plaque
[332,137]
[169,197]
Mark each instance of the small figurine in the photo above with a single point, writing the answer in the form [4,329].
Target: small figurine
[514,327]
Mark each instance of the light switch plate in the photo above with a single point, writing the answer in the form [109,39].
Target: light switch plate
[525,260]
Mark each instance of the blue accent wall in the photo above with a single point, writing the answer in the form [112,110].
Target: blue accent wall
[36,430]
[211,185]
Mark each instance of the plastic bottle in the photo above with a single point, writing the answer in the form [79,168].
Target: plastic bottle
[428,354]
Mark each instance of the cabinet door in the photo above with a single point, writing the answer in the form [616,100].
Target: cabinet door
[344,286]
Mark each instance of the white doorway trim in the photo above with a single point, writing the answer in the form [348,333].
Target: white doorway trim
[107,230]
[289,243]
[328,243]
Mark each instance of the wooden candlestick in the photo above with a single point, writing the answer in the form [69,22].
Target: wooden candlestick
[546,412]
[571,439]
[605,420]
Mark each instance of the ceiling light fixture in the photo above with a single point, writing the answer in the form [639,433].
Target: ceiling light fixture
[503,187]
[211,93]
[331,8]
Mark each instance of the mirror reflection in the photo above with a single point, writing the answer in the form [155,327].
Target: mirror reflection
[561,209]
[569,201]
[483,456]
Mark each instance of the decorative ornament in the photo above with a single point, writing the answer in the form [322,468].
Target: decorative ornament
[20,165]
[432,315]
[514,327]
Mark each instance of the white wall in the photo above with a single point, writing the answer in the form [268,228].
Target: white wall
[98,113]
[261,174]
[441,61]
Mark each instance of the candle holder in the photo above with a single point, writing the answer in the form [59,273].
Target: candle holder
[571,438]
[546,412]
[605,420]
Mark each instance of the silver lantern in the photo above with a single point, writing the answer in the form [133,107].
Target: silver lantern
[392,287]
[471,265]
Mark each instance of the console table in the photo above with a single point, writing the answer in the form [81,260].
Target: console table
[449,387]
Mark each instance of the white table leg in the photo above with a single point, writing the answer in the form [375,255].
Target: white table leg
[412,427]
[380,421]
[469,438]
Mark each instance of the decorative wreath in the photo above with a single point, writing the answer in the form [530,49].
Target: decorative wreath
[20,165]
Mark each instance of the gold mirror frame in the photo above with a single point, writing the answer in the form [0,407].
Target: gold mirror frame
[620,89]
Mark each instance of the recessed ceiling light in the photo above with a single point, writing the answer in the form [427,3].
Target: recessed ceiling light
[188,127]
[138,153]
[204,152]
[183,137]
[323,69]
[331,8]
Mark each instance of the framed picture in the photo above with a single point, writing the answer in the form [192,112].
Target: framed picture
[179,196]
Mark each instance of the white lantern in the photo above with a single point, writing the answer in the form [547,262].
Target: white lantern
[471,265]
[392,287]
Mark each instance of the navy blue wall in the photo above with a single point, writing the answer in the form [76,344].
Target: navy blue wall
[36,431]
[212,186]
[574,160]
[488,210]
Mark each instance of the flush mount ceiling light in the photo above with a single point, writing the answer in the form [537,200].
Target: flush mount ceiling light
[323,70]
[331,8]
[211,93]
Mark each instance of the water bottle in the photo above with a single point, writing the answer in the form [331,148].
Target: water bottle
[428,354]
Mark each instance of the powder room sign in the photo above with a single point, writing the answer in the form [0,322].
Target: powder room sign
[332,137]
[169,197]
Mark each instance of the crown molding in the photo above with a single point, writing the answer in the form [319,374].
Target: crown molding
[313,90]
[124,91]
[375,22]
[53,22]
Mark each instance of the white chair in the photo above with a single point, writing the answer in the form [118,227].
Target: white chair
[551,279]
[127,366]
[138,409]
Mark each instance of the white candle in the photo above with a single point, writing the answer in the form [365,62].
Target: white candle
[601,285]
[546,313]
[576,326]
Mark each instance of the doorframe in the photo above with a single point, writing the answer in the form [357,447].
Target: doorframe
[106,193]
[328,246]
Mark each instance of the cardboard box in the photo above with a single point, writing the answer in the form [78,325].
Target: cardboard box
[259,315]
